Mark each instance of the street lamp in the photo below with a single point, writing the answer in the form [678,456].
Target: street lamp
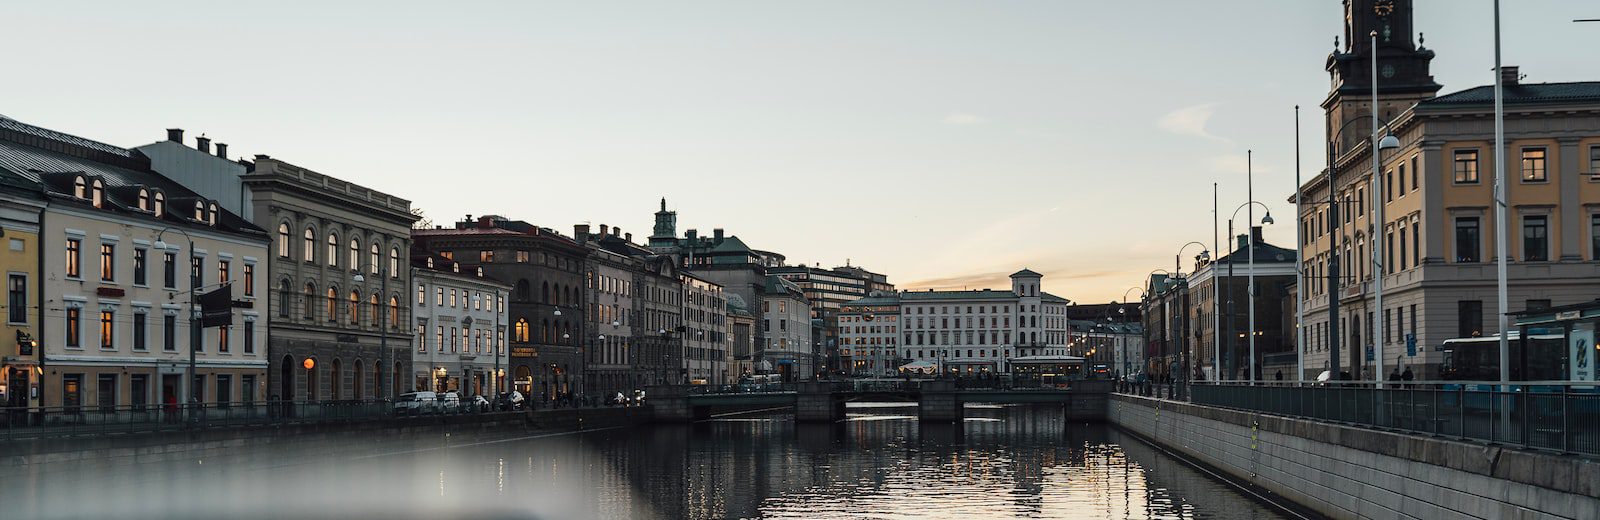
[1251,290]
[194,324]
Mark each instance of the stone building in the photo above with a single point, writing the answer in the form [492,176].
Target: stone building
[1219,300]
[869,336]
[340,279]
[1437,232]
[112,320]
[547,275]
[707,343]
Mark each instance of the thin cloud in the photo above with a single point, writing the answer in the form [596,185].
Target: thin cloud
[1190,121]
[962,118]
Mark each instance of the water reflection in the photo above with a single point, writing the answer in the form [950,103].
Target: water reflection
[1004,462]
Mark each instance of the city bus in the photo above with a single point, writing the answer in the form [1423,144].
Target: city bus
[1476,361]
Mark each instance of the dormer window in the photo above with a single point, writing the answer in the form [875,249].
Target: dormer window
[430,263]
[200,211]
[160,204]
[144,199]
[455,268]
[211,214]
[480,271]
[98,193]
[80,189]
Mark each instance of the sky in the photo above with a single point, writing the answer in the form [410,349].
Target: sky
[945,144]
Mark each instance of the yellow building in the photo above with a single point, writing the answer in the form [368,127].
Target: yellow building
[20,208]
[1437,235]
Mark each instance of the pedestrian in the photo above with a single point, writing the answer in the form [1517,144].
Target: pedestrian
[1407,376]
[1278,376]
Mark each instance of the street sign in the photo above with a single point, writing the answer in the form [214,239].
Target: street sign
[1411,345]
[1369,352]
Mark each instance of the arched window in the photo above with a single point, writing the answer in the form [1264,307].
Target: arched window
[283,240]
[522,291]
[355,307]
[336,379]
[80,189]
[98,193]
[284,295]
[200,211]
[520,332]
[160,208]
[372,259]
[394,311]
[544,292]
[544,331]
[309,253]
[144,199]
[333,304]
[394,262]
[333,249]
[211,214]
[308,303]
[359,388]
[375,313]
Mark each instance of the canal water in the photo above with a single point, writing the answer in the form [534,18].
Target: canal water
[880,463]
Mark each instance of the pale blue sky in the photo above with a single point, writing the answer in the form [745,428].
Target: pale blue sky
[942,143]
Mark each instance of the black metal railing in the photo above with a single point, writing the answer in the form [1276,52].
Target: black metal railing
[18,423]
[1559,416]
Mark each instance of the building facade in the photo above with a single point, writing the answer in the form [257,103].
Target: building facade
[461,321]
[786,327]
[707,341]
[1219,310]
[22,206]
[869,336]
[114,325]
[1437,233]
[547,275]
[340,275]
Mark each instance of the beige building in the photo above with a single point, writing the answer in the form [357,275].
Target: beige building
[706,344]
[121,249]
[1437,235]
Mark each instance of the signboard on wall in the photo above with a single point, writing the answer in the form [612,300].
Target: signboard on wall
[1581,352]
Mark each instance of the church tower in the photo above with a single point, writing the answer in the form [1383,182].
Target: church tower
[665,234]
[1403,76]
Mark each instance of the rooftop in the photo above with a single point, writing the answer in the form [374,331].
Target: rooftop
[1521,94]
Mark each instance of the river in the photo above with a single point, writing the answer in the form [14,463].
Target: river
[880,463]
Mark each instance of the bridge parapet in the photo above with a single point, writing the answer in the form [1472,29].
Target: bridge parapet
[817,401]
[939,401]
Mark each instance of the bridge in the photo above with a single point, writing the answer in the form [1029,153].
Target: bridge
[937,400]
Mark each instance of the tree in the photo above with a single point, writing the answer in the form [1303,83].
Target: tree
[423,222]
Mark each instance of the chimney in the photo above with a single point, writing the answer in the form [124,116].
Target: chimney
[691,235]
[222,150]
[1509,75]
[580,232]
[717,233]
[175,135]
[202,143]
[605,230]
[616,231]
[1255,234]
[628,237]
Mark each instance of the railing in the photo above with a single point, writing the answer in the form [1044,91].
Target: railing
[17,423]
[741,388]
[1559,415]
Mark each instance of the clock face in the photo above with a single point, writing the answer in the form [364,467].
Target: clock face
[1383,7]
[1388,71]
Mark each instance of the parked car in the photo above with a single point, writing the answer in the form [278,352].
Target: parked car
[480,403]
[450,402]
[415,403]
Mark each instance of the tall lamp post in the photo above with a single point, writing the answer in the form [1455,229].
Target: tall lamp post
[383,322]
[1251,292]
[1123,310]
[1333,275]
[1183,338]
[194,311]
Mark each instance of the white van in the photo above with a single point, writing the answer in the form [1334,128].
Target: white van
[416,403]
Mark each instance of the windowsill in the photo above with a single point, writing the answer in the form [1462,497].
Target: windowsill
[70,347]
[71,278]
[1545,181]
[1474,183]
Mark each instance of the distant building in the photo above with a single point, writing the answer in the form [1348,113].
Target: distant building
[828,290]
[707,344]
[790,349]
[461,323]
[869,335]
[1218,296]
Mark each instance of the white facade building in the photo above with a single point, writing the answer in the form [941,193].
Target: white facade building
[706,343]
[461,323]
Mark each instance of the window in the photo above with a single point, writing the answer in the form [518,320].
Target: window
[223,271]
[1594,237]
[74,249]
[249,279]
[1401,181]
[374,313]
[452,298]
[1466,166]
[169,333]
[1535,238]
[394,311]
[394,263]
[1416,243]
[1533,165]
[140,266]
[224,390]
[108,330]
[355,253]
[284,299]
[169,270]
[247,388]
[438,296]
[372,256]
[333,305]
[1403,263]
[1416,182]
[308,303]
[139,342]
[1388,186]
[160,208]
[1467,239]
[249,337]
[1469,318]
[139,390]
[72,392]
[522,257]
[333,250]
[222,338]
[520,331]
[17,298]
[486,256]
[355,307]
[196,271]
[309,251]
[79,188]
[283,240]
